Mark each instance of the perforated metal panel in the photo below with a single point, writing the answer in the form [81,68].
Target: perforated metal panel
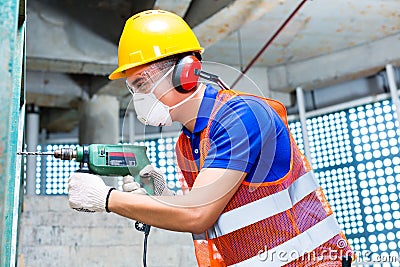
[52,174]
[355,157]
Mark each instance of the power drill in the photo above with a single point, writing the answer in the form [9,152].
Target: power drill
[110,160]
[107,160]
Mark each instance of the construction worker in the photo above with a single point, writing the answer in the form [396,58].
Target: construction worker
[253,199]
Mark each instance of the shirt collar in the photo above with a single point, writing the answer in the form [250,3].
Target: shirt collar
[206,106]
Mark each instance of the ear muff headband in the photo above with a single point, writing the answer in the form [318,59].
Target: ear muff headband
[184,78]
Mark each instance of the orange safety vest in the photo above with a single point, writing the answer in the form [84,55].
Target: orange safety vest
[287,222]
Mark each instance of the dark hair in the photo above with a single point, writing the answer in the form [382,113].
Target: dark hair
[198,55]
[181,55]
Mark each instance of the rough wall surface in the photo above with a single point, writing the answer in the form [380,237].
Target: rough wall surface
[51,234]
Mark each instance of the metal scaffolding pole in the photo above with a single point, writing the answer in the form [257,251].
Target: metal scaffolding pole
[32,140]
[12,62]
[303,121]
[393,91]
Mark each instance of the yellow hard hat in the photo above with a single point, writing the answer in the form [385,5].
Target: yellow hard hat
[152,35]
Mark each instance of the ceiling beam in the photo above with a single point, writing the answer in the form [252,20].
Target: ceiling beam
[77,66]
[52,101]
[234,16]
[61,44]
[349,64]
[178,7]
[114,88]
[58,120]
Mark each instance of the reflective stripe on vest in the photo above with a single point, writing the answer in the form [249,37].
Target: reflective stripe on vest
[271,205]
[295,247]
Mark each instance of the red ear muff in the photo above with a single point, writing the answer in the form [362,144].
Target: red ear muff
[183,78]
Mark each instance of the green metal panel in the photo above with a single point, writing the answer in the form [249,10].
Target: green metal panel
[12,43]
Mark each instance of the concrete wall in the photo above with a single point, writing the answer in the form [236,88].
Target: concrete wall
[52,234]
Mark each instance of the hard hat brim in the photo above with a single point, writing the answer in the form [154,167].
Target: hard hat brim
[119,73]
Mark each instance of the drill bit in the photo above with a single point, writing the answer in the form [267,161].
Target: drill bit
[35,153]
[63,153]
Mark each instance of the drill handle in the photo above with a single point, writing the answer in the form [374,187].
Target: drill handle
[83,167]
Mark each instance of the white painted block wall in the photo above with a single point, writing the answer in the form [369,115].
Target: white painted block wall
[51,234]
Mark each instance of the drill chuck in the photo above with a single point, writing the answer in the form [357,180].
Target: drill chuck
[65,153]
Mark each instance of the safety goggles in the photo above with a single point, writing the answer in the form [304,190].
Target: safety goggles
[148,79]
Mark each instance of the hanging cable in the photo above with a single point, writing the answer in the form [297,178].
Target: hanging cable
[145,228]
[269,42]
[240,50]
[314,102]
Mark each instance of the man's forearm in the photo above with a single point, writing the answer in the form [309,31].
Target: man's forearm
[163,212]
[194,212]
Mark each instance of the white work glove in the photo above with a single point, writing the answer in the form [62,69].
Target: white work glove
[160,185]
[88,192]
[129,185]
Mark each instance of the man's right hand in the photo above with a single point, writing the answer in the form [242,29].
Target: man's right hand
[160,183]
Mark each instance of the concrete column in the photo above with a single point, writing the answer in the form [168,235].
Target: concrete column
[32,140]
[99,124]
[99,120]
[303,121]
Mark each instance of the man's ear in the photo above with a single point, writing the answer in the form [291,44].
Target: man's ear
[184,78]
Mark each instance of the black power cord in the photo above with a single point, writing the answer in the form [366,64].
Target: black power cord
[146,230]
[346,261]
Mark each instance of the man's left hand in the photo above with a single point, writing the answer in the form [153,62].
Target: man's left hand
[87,192]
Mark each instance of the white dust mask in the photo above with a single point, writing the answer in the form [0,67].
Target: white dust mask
[151,111]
